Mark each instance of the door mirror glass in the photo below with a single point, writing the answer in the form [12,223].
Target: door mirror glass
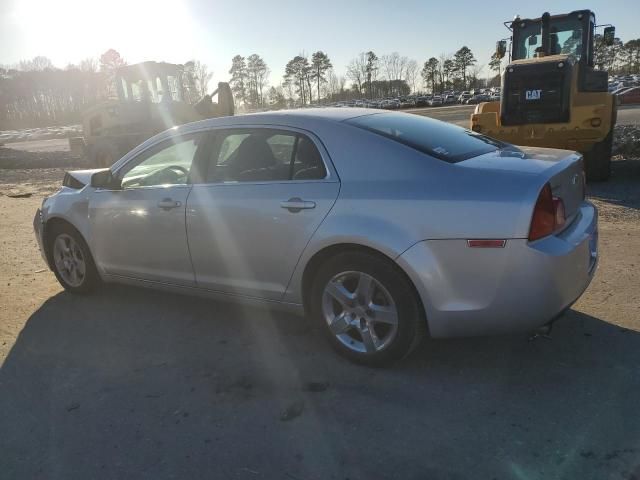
[609,35]
[501,48]
[105,179]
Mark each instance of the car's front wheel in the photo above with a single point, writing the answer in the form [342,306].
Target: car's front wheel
[71,260]
[367,308]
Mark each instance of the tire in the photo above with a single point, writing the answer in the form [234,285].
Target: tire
[103,155]
[71,260]
[364,331]
[597,162]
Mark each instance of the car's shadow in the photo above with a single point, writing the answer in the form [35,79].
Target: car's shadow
[136,384]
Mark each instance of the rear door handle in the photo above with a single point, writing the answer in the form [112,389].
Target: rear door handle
[296,204]
[168,204]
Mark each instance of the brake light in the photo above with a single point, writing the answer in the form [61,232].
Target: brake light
[548,214]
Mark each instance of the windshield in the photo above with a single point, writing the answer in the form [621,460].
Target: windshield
[435,138]
[565,37]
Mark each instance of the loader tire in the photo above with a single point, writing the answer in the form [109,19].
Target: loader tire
[103,155]
[597,162]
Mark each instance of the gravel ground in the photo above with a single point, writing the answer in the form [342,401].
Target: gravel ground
[43,133]
[130,383]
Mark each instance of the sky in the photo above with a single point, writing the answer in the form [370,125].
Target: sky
[213,31]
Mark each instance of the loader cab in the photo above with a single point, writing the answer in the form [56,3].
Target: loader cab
[153,82]
[569,34]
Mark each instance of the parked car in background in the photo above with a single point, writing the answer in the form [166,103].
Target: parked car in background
[621,90]
[481,97]
[464,96]
[448,99]
[408,103]
[391,104]
[383,226]
[630,96]
[435,101]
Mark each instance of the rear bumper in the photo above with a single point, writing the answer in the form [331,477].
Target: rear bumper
[485,291]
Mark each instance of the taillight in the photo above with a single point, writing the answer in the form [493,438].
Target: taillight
[548,214]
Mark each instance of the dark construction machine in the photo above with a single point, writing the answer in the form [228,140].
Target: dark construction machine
[151,97]
[552,96]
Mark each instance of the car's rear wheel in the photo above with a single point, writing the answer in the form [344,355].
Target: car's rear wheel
[71,260]
[367,308]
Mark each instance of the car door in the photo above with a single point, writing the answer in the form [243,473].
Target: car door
[138,229]
[266,192]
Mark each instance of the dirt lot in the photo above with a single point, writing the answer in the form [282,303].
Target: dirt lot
[137,384]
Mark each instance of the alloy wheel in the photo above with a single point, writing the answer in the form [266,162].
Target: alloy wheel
[69,260]
[360,312]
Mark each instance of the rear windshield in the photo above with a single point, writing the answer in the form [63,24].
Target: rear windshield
[433,137]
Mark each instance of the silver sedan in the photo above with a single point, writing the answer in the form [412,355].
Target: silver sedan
[382,227]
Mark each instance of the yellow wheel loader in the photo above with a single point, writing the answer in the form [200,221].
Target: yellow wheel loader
[151,97]
[552,96]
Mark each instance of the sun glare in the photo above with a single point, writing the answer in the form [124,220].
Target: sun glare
[84,28]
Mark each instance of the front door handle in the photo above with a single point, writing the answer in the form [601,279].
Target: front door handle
[168,204]
[296,204]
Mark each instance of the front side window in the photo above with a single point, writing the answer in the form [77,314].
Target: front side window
[256,155]
[438,139]
[168,164]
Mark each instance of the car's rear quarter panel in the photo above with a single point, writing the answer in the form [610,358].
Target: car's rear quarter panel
[392,197]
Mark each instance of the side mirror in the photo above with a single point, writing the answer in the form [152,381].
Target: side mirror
[609,35]
[501,48]
[533,40]
[105,179]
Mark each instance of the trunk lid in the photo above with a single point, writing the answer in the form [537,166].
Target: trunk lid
[562,169]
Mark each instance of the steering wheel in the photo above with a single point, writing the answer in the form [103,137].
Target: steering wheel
[162,176]
[179,169]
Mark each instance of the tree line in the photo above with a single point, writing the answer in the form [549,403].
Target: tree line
[36,93]
[620,58]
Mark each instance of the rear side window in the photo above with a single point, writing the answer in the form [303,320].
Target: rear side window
[258,155]
[437,139]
